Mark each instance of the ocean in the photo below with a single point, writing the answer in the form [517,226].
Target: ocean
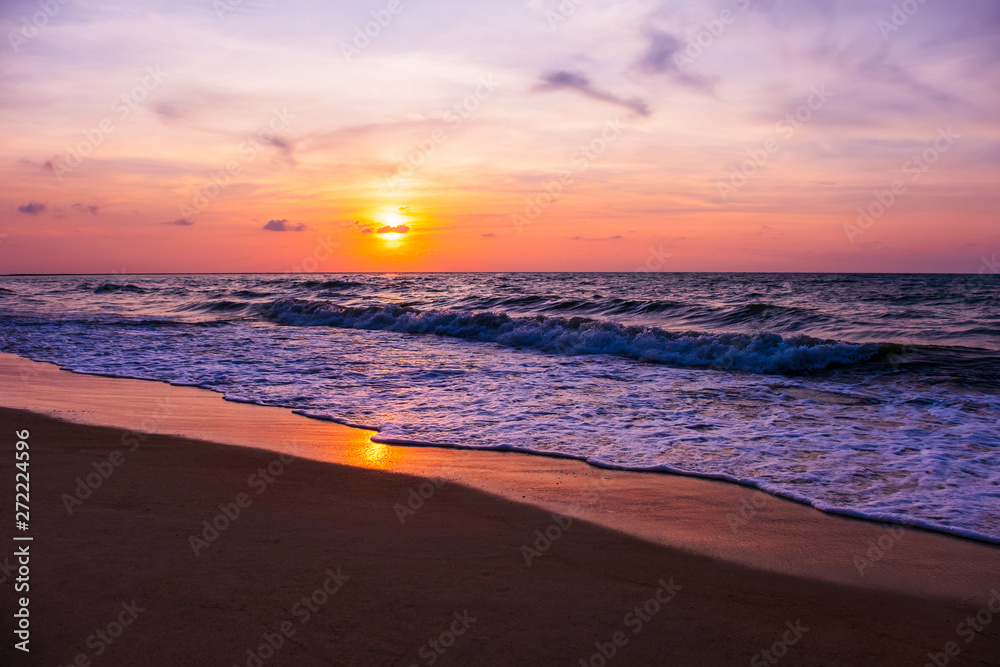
[875,396]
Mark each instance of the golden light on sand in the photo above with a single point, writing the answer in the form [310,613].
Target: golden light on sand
[364,453]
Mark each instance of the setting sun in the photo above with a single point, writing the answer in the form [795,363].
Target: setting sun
[391,218]
[392,227]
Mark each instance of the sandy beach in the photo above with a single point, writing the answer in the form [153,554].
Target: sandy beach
[539,333]
[197,549]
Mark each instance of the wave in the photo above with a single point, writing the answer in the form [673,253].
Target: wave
[219,306]
[331,284]
[761,353]
[105,288]
[786,319]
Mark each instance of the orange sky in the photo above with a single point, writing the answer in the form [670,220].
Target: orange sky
[619,136]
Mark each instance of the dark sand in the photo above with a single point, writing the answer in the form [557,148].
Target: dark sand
[461,551]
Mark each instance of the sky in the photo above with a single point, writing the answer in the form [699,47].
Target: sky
[520,135]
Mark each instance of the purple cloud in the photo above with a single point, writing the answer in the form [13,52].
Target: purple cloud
[660,58]
[86,208]
[32,208]
[564,80]
[389,229]
[283,226]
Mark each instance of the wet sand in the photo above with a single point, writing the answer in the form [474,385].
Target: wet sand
[409,554]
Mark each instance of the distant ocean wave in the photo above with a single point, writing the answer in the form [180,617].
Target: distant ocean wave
[761,353]
[105,288]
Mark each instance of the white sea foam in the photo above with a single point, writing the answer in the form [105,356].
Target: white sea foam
[877,441]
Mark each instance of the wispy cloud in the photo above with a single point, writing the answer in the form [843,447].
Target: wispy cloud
[660,58]
[86,208]
[563,80]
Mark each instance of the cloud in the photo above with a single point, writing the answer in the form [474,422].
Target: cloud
[563,80]
[389,229]
[32,208]
[659,56]
[659,59]
[180,222]
[404,208]
[283,226]
[168,110]
[616,237]
[284,146]
[86,208]
[488,236]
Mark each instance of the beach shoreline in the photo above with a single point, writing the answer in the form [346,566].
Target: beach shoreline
[197,553]
[705,517]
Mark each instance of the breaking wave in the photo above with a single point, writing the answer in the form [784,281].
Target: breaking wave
[760,353]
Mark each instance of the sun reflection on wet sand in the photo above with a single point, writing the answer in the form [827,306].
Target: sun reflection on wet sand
[364,453]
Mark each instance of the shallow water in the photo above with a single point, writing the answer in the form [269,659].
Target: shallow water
[877,395]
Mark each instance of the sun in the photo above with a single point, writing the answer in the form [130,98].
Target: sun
[393,226]
[391,218]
